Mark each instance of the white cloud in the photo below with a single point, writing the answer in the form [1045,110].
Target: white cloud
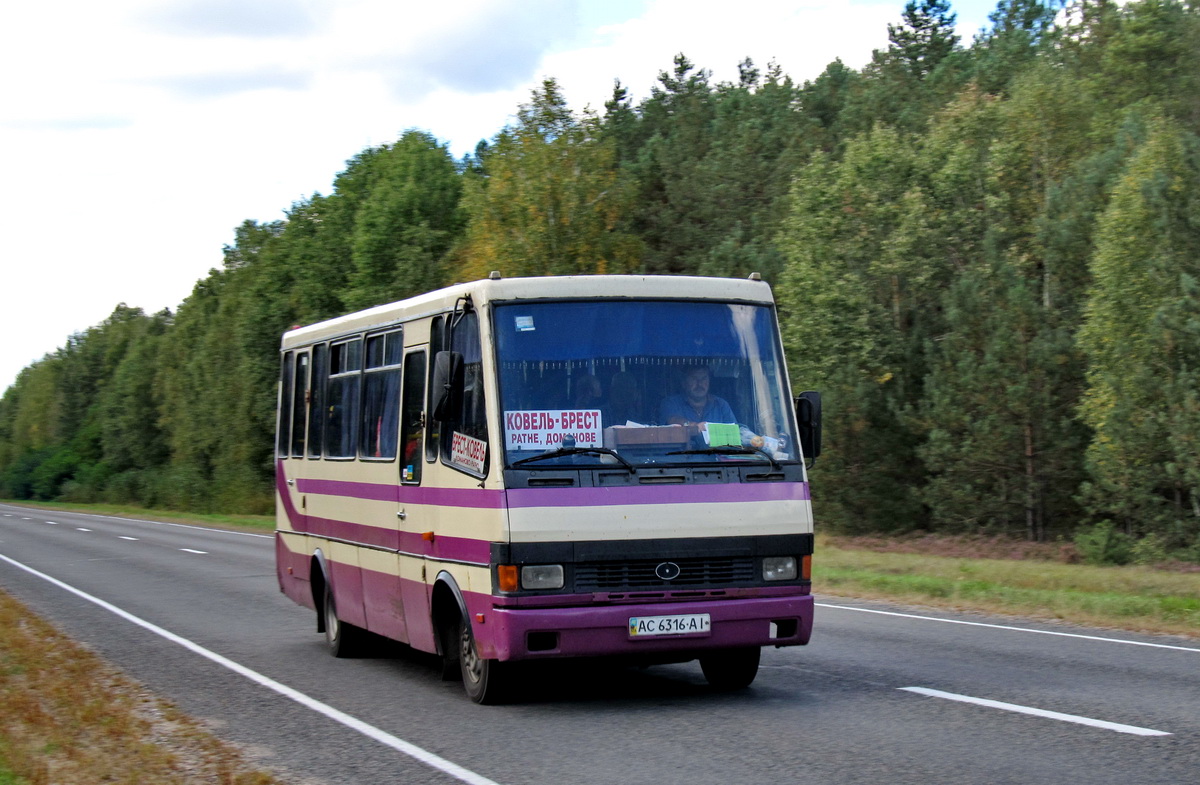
[140,134]
[239,18]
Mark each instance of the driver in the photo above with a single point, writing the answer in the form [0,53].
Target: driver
[695,406]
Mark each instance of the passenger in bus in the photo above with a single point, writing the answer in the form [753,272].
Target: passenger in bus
[624,400]
[695,406]
[587,393]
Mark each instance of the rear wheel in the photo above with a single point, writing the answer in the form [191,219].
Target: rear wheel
[345,640]
[486,681]
[732,669]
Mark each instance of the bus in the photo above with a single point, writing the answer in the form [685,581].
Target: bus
[521,469]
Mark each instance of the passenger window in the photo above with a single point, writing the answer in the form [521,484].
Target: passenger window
[341,422]
[381,396]
[437,342]
[316,407]
[413,417]
[286,372]
[299,405]
[465,442]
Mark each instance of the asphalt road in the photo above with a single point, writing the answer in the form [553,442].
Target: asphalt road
[882,695]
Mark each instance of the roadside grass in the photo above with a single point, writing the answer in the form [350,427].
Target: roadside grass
[69,717]
[253,522]
[1131,598]
[7,776]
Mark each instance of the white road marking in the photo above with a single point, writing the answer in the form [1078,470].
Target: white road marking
[52,523]
[370,731]
[81,529]
[1011,629]
[1053,715]
[128,538]
[165,523]
[192,550]
[188,526]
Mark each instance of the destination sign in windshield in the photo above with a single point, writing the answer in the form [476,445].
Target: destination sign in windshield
[544,430]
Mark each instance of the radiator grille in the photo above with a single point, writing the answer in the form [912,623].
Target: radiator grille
[639,574]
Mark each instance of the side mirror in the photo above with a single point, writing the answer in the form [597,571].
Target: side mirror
[447,383]
[808,418]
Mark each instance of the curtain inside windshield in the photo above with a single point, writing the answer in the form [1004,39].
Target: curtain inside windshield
[653,381]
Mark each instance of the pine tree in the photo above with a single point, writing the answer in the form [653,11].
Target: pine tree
[551,198]
[1140,340]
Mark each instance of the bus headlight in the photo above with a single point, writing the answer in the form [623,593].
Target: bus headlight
[779,568]
[542,576]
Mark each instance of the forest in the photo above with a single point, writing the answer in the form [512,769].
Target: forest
[986,256]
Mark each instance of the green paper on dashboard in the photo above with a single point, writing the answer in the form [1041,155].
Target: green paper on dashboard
[723,434]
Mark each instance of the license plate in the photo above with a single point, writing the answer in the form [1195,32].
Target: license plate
[685,624]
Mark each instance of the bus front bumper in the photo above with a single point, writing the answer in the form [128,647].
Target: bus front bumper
[605,630]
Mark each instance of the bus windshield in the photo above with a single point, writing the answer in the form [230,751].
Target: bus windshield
[641,382]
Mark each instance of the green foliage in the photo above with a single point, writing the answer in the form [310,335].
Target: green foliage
[1103,543]
[1141,339]
[551,199]
[856,297]
[926,38]
[406,223]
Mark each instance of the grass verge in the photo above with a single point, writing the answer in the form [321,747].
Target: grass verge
[8,776]
[69,717]
[1131,598]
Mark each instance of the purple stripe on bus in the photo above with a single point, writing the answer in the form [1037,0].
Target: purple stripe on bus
[561,497]
[281,488]
[405,494]
[441,547]
[658,494]
[353,490]
[376,536]
[445,547]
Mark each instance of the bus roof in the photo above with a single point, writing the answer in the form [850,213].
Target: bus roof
[676,287]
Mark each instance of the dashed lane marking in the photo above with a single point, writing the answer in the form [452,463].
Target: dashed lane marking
[1053,715]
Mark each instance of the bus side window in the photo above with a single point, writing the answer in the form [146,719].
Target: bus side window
[316,408]
[299,412]
[341,424]
[437,338]
[466,427]
[286,372]
[381,395]
[412,417]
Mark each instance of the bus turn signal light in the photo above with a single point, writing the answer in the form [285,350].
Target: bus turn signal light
[507,576]
[806,568]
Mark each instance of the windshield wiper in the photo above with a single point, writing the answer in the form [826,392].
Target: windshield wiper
[578,451]
[730,449]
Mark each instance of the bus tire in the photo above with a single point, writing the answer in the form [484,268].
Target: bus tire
[448,632]
[732,669]
[345,640]
[485,681]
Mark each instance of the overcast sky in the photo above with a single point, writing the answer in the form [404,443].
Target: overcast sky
[136,135]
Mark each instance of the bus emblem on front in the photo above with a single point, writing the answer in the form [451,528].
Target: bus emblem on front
[667,571]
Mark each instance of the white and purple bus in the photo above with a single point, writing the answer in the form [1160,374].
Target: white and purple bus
[532,468]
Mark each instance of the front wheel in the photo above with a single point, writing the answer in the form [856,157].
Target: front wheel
[345,640]
[486,681]
[732,669]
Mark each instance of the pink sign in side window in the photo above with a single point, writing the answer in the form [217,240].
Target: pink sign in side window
[468,452]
